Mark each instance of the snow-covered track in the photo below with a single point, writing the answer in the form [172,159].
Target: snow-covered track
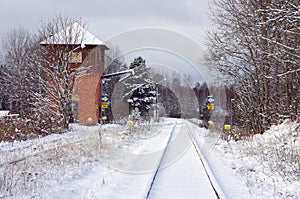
[161,160]
[210,176]
[192,177]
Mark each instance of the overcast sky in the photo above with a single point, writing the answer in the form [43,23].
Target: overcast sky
[110,17]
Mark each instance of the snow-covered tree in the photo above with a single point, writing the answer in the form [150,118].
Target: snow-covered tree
[139,89]
[18,82]
[20,77]
[2,89]
[59,38]
[256,43]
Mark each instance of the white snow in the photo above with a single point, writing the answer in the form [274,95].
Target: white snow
[3,113]
[78,35]
[183,175]
[77,165]
[269,164]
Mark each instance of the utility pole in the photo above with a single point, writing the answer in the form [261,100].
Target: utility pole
[231,111]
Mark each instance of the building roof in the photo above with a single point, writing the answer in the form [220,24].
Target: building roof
[3,113]
[74,34]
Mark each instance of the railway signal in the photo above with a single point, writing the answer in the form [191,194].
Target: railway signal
[210,102]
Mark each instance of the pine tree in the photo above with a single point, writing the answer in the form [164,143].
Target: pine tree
[139,89]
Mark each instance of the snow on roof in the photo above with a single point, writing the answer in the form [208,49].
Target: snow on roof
[74,34]
[3,113]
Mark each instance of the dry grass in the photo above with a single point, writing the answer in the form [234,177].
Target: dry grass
[275,159]
[16,129]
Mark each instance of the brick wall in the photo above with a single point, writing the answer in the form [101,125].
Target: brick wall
[87,86]
[88,92]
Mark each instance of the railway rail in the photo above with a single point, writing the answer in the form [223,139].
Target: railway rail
[164,179]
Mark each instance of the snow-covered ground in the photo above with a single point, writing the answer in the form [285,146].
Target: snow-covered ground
[51,160]
[84,163]
[269,163]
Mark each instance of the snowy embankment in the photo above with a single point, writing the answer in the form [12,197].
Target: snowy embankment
[76,164]
[28,168]
[269,163]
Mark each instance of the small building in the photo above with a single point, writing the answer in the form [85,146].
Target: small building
[85,50]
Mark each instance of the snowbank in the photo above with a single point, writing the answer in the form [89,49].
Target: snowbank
[269,163]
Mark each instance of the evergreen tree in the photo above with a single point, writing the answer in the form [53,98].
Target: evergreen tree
[139,89]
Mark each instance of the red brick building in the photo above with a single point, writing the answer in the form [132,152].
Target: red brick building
[85,50]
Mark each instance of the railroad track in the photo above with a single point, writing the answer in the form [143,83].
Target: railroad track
[166,184]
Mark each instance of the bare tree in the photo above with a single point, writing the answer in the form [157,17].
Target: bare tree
[114,62]
[16,78]
[60,38]
[255,43]
[19,77]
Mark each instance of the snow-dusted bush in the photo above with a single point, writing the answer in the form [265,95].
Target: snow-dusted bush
[270,162]
[280,148]
[29,127]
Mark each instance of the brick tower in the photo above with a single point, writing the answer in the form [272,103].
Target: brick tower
[86,51]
